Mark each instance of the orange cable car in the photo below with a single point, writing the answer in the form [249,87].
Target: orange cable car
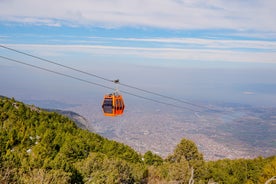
[113,104]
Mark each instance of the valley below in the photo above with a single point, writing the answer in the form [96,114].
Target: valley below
[220,131]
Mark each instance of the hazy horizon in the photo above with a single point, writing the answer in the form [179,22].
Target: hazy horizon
[244,86]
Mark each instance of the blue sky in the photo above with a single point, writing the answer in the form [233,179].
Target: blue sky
[223,31]
[204,34]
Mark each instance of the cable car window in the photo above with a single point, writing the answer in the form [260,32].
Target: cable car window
[107,105]
[118,105]
[121,104]
[108,102]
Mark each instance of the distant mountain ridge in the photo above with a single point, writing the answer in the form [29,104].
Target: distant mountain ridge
[50,104]
[78,119]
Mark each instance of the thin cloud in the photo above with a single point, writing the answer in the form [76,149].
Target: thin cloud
[190,55]
[209,43]
[168,14]
[36,21]
[248,93]
[3,38]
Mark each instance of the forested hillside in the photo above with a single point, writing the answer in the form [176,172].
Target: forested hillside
[37,146]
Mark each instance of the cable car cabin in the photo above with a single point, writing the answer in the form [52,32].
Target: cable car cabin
[113,105]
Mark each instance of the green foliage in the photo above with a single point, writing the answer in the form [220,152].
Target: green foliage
[167,172]
[238,171]
[178,167]
[45,177]
[269,171]
[152,159]
[187,150]
[99,168]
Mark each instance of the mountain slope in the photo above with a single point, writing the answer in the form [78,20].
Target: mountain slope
[38,144]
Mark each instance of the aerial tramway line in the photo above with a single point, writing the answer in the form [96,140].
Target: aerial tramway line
[113,103]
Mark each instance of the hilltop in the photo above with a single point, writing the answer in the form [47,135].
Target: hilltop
[38,146]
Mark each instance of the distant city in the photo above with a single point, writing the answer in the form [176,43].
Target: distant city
[229,131]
